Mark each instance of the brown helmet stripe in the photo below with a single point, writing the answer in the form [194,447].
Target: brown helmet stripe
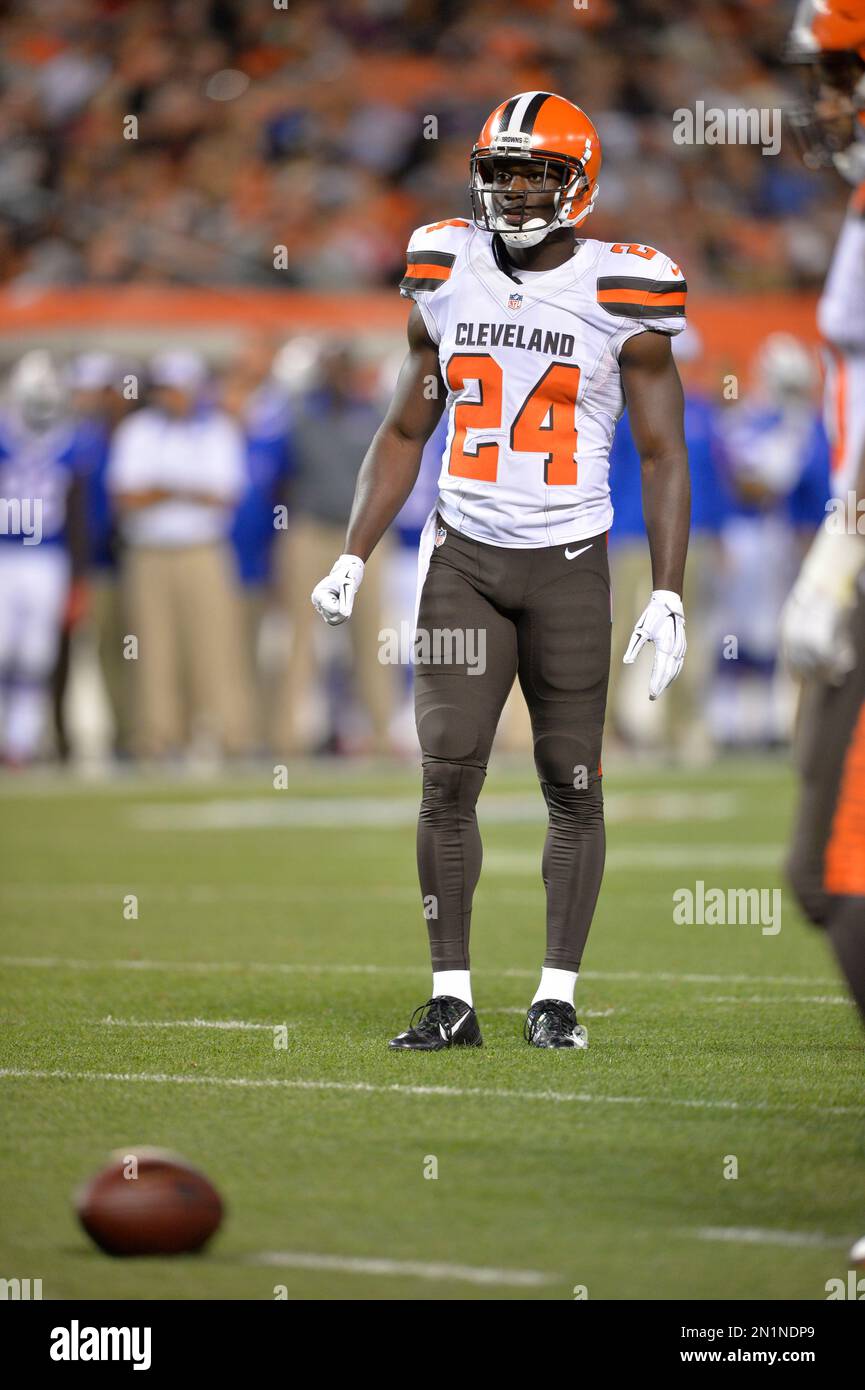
[532,111]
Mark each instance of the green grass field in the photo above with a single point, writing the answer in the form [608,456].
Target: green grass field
[299,907]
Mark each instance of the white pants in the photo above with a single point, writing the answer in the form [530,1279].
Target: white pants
[34,583]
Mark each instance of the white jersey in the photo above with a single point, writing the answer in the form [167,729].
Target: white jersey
[533,378]
[841,320]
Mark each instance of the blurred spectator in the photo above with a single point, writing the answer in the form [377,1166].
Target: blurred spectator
[176,472]
[98,405]
[260,405]
[775,463]
[333,426]
[42,548]
[331,130]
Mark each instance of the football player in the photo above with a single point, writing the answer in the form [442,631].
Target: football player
[823,623]
[42,548]
[535,336]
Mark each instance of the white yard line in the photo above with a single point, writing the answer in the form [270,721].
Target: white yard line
[408,1269]
[228,1024]
[280,810]
[703,858]
[208,967]
[840,999]
[400,1088]
[755,1235]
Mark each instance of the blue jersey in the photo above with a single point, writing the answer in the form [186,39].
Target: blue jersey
[90,452]
[708,499]
[36,472]
[777,462]
[269,463]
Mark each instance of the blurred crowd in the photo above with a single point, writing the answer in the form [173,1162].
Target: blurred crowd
[164,524]
[185,141]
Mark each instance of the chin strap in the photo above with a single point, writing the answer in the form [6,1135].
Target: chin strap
[502,260]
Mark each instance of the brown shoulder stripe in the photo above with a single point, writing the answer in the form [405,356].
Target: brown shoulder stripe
[445,258]
[630,296]
[427,270]
[638,282]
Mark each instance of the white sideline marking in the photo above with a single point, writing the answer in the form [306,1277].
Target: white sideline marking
[412,1269]
[777,999]
[226,1023]
[754,1235]
[517,863]
[401,1088]
[255,967]
[364,812]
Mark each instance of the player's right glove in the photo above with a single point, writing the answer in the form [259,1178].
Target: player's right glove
[333,597]
[815,621]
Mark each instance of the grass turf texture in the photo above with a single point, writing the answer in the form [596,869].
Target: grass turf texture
[608,1191]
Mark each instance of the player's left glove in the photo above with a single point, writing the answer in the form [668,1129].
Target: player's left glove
[333,597]
[662,622]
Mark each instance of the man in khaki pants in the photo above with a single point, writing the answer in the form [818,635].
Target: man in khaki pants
[332,427]
[175,473]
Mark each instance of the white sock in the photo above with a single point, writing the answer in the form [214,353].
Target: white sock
[556,984]
[455,982]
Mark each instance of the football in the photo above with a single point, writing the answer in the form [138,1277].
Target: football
[149,1202]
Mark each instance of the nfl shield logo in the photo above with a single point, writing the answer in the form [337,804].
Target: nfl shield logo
[441,536]
[515,301]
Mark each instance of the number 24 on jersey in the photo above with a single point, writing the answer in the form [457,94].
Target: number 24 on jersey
[544,423]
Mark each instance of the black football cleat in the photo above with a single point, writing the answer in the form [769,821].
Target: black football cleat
[553,1023]
[445,1022]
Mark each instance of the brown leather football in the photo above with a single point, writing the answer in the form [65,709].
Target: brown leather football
[168,1208]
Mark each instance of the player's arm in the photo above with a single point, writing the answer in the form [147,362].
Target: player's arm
[134,501]
[389,470]
[151,496]
[655,401]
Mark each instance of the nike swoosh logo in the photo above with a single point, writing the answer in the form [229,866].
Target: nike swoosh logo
[455,1027]
[572,554]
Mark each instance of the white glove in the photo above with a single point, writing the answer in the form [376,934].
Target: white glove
[815,620]
[333,597]
[662,622]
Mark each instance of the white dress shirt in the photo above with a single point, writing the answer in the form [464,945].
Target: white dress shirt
[203,452]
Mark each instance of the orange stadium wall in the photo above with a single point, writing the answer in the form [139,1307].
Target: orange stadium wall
[73,319]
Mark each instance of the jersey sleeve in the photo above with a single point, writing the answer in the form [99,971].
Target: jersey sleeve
[430,259]
[643,288]
[841,311]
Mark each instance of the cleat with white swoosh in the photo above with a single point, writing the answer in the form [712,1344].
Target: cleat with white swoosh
[445,1021]
[553,1023]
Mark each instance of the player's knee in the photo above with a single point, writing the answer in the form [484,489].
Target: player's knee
[448,733]
[450,789]
[579,807]
[563,760]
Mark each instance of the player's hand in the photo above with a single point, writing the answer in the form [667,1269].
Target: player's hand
[333,597]
[815,620]
[815,636]
[662,622]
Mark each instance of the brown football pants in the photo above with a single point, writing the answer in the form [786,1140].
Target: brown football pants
[487,615]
